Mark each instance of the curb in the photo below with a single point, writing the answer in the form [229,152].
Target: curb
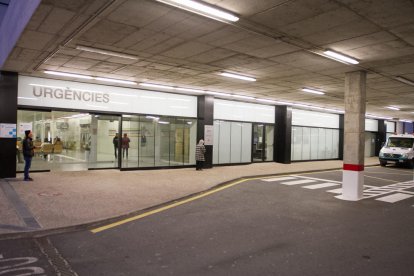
[103,222]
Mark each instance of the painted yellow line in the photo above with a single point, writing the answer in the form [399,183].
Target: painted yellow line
[383,179]
[172,205]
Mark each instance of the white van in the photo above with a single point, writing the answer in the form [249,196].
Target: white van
[398,149]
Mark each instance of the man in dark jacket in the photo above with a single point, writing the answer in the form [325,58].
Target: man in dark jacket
[28,153]
[115,141]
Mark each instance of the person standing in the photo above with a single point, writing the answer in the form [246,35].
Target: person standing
[125,145]
[115,141]
[200,151]
[28,153]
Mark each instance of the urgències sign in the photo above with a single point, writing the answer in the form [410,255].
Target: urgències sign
[41,92]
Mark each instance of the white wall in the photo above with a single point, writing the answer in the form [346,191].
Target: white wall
[390,126]
[314,119]
[246,112]
[371,125]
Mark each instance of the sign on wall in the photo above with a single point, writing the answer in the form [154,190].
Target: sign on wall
[208,135]
[8,131]
[33,91]
[25,126]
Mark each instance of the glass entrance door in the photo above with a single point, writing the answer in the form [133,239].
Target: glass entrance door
[103,141]
[258,143]
[262,144]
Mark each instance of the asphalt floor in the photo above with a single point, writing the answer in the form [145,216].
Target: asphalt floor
[281,225]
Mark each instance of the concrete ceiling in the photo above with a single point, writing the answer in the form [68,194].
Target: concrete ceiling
[275,41]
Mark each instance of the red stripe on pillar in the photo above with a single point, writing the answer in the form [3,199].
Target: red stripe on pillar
[353,167]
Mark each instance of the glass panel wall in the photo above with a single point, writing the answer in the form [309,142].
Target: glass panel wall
[68,140]
[158,141]
[314,143]
[270,135]
[232,142]
[258,140]
[369,144]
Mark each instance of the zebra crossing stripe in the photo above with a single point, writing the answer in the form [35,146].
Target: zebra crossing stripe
[296,182]
[278,179]
[319,186]
[394,197]
[336,191]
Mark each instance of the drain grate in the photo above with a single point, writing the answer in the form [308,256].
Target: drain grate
[59,264]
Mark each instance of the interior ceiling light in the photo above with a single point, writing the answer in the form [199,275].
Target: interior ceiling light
[201,9]
[236,76]
[404,80]
[115,80]
[392,107]
[266,101]
[340,57]
[68,75]
[105,52]
[406,121]
[156,85]
[189,90]
[218,94]
[243,97]
[314,91]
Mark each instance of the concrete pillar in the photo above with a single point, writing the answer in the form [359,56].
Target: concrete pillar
[354,136]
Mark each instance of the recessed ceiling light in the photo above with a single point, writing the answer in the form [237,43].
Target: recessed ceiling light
[314,91]
[236,76]
[243,97]
[218,94]
[105,52]
[392,107]
[340,57]
[405,121]
[156,85]
[201,9]
[189,90]
[404,80]
[115,80]
[68,75]
[266,101]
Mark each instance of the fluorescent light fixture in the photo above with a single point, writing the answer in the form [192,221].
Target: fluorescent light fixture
[218,94]
[201,9]
[116,81]
[314,91]
[152,117]
[105,52]
[243,97]
[266,101]
[340,57]
[156,85]
[163,122]
[392,107]
[404,80]
[406,121]
[68,75]
[189,90]
[236,76]
[27,98]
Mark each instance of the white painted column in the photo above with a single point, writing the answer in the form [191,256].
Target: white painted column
[354,136]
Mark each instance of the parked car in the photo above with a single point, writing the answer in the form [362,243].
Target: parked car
[398,149]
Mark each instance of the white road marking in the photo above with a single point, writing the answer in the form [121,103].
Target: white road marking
[296,182]
[278,179]
[319,186]
[336,191]
[319,179]
[394,197]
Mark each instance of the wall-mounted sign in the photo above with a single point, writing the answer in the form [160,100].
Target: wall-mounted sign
[33,91]
[7,130]
[208,135]
[25,126]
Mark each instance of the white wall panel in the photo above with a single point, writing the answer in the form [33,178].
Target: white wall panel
[390,126]
[43,92]
[371,125]
[314,119]
[247,112]
[236,142]
[246,142]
